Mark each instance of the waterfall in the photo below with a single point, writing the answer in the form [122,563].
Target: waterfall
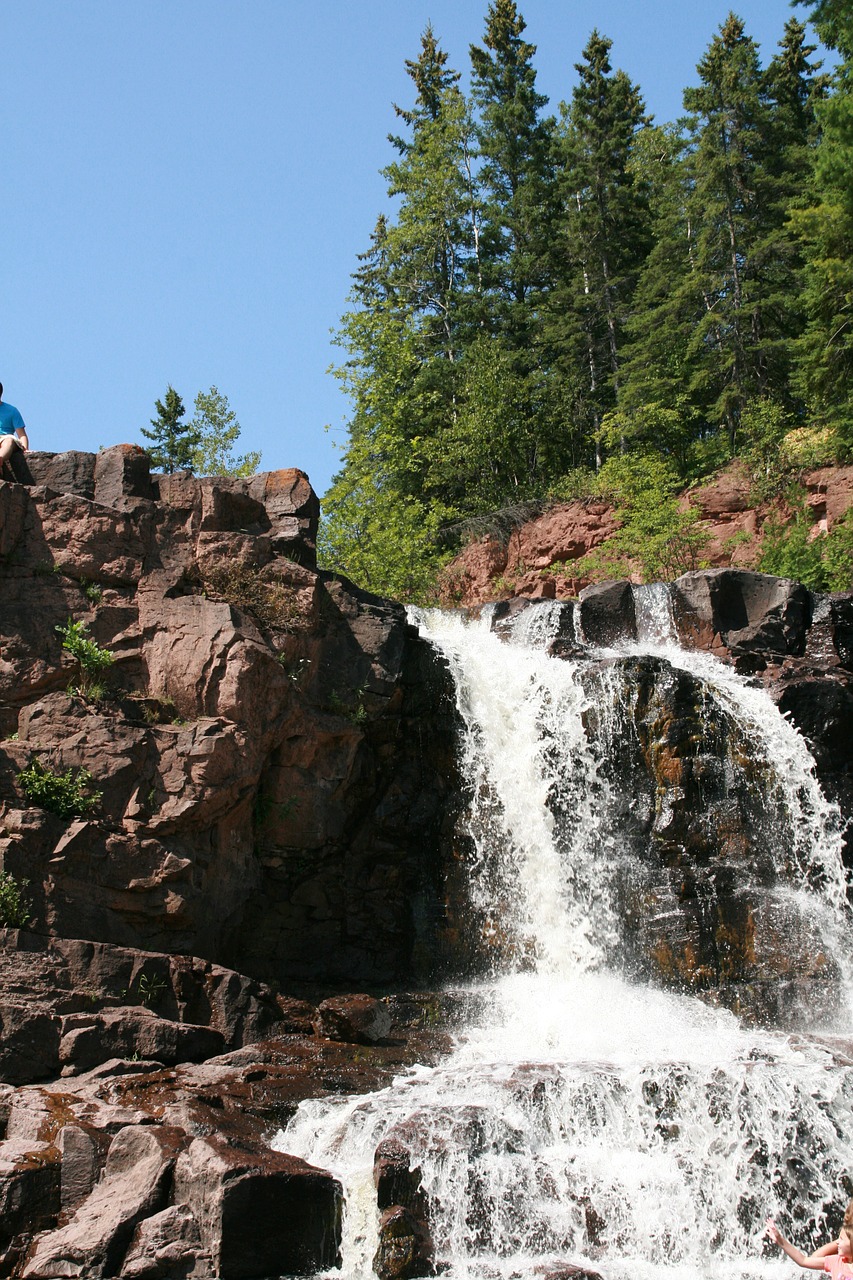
[587,1114]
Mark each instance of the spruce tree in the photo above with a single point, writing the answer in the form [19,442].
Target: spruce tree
[825,350]
[407,329]
[604,233]
[516,176]
[174,441]
[730,200]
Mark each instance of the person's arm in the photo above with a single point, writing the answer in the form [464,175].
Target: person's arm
[814,1261]
[22,437]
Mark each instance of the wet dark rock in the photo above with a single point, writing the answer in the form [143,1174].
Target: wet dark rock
[405,1250]
[607,613]
[567,1271]
[702,904]
[747,613]
[821,706]
[397,1177]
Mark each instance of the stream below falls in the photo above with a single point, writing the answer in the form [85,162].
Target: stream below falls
[588,1114]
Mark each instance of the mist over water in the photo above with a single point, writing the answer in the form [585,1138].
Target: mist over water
[586,1116]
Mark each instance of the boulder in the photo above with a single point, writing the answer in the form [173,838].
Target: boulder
[122,476]
[405,1250]
[79,1165]
[165,1246]
[606,613]
[69,472]
[567,1271]
[29,1040]
[29,1187]
[259,1214]
[357,1019]
[745,612]
[89,1039]
[396,1178]
[134,1186]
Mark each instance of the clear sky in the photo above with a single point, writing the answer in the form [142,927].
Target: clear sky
[187,184]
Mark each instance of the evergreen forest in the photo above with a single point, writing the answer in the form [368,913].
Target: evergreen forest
[557,304]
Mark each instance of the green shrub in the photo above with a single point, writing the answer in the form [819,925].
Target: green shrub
[92,658]
[657,533]
[67,794]
[822,563]
[14,903]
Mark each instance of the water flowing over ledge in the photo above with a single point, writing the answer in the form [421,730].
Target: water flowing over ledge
[589,1114]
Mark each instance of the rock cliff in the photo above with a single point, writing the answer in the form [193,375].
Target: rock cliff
[268,772]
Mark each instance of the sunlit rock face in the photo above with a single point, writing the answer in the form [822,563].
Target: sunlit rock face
[272,746]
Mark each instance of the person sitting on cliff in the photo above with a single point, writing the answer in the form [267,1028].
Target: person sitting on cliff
[13,433]
[836,1256]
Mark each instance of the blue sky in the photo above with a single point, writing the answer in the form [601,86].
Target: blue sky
[187,184]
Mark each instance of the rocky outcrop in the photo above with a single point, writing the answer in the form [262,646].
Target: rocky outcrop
[269,748]
[140,1169]
[538,557]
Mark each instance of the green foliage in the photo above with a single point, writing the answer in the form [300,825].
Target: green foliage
[151,988]
[93,591]
[174,441]
[661,536]
[387,543]
[604,234]
[822,562]
[215,429]
[825,226]
[764,425]
[14,902]
[93,659]
[837,556]
[67,794]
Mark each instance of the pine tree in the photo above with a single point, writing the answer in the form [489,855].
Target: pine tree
[716,307]
[605,231]
[516,176]
[174,441]
[729,202]
[825,351]
[409,324]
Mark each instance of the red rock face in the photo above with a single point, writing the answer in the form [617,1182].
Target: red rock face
[538,558]
[250,809]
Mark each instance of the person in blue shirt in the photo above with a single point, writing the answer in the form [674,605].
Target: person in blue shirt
[13,433]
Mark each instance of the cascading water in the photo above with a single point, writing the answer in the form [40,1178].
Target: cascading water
[586,1116]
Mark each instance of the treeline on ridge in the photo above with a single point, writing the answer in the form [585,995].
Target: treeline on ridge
[592,301]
